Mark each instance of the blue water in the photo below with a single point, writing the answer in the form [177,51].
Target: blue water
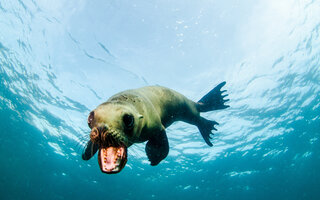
[60,59]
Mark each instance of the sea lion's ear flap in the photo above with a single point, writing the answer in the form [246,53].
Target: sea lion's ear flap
[90,150]
[140,116]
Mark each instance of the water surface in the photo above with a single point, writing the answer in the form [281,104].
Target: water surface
[60,59]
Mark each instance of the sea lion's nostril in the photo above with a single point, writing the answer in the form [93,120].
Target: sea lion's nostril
[94,135]
[99,134]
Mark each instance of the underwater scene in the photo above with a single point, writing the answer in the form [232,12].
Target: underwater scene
[61,59]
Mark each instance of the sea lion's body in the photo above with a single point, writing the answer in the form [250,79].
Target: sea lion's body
[140,115]
[160,107]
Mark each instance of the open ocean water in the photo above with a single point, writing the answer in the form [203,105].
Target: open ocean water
[60,59]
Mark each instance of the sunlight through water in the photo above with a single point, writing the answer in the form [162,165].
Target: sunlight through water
[60,59]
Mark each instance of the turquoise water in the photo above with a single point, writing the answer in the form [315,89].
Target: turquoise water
[60,59]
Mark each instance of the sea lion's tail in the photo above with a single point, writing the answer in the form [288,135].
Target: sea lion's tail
[205,127]
[213,100]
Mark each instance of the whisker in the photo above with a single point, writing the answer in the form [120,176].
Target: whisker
[85,135]
[131,154]
[135,151]
[80,147]
[84,140]
[109,140]
[81,144]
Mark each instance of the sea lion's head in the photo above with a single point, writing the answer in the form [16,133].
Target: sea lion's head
[114,127]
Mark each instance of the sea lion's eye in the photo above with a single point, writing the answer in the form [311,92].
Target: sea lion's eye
[90,119]
[128,121]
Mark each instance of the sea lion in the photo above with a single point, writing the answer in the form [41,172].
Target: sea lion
[143,114]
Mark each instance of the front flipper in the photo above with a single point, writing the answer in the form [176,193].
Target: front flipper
[90,150]
[157,148]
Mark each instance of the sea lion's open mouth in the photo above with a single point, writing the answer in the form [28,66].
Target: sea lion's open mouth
[112,159]
[112,156]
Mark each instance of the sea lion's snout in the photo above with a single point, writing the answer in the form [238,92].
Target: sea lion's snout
[98,135]
[105,138]
[112,155]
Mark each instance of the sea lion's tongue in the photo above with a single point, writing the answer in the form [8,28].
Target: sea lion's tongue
[112,159]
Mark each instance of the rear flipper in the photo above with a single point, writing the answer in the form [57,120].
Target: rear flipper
[213,100]
[205,127]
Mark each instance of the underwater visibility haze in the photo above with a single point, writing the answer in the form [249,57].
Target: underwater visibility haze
[61,59]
